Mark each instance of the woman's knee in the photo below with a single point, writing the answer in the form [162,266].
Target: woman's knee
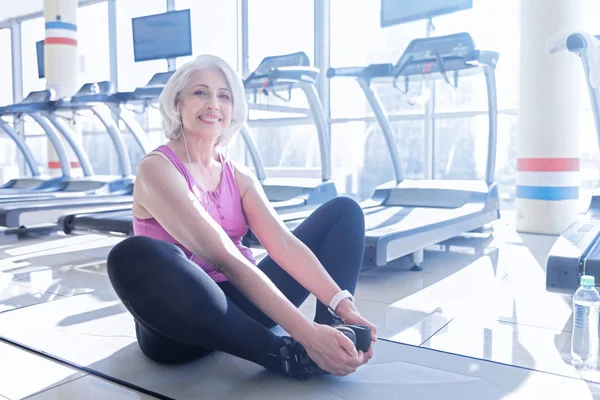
[127,258]
[348,208]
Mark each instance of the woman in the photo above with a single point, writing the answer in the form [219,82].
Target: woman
[187,280]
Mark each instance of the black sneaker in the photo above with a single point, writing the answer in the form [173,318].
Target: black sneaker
[361,331]
[296,363]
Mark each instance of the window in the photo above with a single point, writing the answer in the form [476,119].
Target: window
[289,149]
[361,158]
[8,170]
[279,27]
[132,74]
[214,29]
[363,44]
[6,93]
[92,36]
[32,31]
[461,148]
[494,26]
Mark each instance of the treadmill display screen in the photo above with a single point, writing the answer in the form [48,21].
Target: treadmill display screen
[395,12]
[160,36]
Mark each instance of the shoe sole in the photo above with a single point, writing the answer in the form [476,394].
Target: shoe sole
[362,334]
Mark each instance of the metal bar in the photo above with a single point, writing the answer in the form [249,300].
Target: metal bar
[490,80]
[67,132]
[417,117]
[594,95]
[320,121]
[29,158]
[385,126]
[244,36]
[273,122]
[278,108]
[322,45]
[17,62]
[113,56]
[61,152]
[104,114]
[429,122]
[254,154]
[134,128]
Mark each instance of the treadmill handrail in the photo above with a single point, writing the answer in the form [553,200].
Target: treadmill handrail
[51,132]
[316,109]
[305,78]
[485,61]
[22,146]
[67,132]
[370,71]
[386,127]
[104,114]
[259,167]
[577,44]
[134,128]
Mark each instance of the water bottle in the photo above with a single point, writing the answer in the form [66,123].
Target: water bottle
[586,307]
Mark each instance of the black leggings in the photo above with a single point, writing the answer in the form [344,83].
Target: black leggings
[181,314]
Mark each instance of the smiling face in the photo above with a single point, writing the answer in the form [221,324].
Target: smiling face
[206,104]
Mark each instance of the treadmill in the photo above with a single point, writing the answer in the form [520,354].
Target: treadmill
[403,216]
[44,113]
[25,182]
[274,74]
[577,251]
[105,195]
[35,105]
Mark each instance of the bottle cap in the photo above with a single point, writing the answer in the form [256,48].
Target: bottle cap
[587,280]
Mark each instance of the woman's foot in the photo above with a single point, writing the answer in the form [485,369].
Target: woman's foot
[362,332]
[295,361]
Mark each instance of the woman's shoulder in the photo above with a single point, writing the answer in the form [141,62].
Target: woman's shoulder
[155,164]
[243,175]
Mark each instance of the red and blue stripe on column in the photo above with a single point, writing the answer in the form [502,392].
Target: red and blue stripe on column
[59,32]
[550,179]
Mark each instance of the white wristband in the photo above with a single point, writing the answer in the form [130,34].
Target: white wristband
[344,294]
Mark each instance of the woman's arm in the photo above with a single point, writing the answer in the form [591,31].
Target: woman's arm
[163,193]
[282,246]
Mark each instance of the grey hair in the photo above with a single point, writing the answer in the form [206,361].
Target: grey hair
[171,94]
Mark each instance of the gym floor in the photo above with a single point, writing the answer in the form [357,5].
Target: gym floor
[476,323]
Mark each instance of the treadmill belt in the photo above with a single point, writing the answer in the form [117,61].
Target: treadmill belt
[384,220]
[115,221]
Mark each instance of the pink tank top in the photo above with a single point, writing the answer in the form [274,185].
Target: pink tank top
[224,206]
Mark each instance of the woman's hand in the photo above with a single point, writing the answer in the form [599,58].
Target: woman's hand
[332,351]
[350,315]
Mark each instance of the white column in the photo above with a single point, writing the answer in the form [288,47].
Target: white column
[549,112]
[61,63]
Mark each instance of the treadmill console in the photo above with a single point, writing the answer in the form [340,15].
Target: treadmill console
[94,88]
[41,96]
[160,79]
[299,59]
[92,92]
[281,73]
[437,54]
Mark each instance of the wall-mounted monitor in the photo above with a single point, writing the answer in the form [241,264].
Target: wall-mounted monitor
[162,36]
[39,50]
[394,12]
